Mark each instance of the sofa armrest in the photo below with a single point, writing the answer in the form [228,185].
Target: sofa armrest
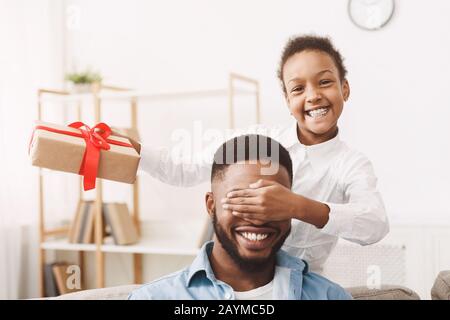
[386,292]
[441,286]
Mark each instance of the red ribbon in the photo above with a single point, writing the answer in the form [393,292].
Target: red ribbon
[95,141]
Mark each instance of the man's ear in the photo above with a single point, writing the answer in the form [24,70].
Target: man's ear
[345,89]
[210,204]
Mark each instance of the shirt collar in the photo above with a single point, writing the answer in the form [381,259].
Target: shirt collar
[201,263]
[285,260]
[319,154]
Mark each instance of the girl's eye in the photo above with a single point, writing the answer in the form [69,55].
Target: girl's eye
[325,82]
[297,89]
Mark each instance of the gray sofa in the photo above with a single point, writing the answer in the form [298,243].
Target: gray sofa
[358,293]
[441,287]
[440,291]
[384,293]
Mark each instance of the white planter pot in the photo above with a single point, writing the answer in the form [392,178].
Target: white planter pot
[81,88]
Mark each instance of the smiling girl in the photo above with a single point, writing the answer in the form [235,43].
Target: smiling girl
[333,194]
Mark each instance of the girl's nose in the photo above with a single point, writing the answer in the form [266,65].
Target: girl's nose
[313,95]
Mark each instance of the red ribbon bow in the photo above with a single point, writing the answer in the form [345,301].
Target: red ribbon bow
[95,141]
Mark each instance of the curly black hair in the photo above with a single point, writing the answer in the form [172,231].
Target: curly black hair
[301,43]
[250,147]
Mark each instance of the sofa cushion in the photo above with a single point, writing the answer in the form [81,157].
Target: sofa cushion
[358,293]
[441,287]
[111,293]
[386,292]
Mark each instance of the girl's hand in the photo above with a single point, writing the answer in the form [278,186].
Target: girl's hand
[264,200]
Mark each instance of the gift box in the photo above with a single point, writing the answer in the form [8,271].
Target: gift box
[129,132]
[79,149]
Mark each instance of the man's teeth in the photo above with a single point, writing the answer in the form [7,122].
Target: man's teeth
[317,113]
[254,236]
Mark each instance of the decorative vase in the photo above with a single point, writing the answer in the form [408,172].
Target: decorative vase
[80,88]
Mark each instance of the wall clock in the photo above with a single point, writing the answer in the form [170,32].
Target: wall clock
[370,14]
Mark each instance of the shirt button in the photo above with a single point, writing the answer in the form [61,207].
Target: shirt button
[228,296]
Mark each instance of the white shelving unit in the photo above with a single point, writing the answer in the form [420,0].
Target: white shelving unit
[157,237]
[146,95]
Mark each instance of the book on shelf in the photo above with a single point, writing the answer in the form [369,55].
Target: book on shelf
[61,276]
[49,281]
[74,224]
[120,223]
[82,228]
[117,222]
[56,279]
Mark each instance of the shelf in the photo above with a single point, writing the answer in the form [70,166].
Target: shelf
[159,237]
[144,95]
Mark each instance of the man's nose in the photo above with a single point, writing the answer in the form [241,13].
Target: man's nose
[256,222]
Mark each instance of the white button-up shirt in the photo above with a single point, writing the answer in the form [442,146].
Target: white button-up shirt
[329,172]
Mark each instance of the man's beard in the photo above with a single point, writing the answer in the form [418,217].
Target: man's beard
[248,265]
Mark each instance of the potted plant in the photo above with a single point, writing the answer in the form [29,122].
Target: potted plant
[81,82]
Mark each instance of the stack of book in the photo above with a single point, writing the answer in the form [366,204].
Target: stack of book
[82,229]
[120,224]
[59,279]
[117,221]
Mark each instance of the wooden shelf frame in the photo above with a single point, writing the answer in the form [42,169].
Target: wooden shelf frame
[99,247]
[44,233]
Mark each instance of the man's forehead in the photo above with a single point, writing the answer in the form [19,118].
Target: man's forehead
[244,171]
[241,175]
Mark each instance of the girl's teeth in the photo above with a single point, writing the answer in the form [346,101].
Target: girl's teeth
[318,112]
[254,236]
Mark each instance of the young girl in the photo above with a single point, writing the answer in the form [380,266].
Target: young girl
[334,192]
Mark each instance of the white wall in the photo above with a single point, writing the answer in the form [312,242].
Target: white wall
[31,54]
[396,115]
[398,109]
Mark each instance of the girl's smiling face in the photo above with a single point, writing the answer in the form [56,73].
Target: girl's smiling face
[315,95]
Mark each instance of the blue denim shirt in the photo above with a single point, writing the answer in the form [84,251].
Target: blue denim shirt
[292,282]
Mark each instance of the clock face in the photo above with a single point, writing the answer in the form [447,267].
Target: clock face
[370,14]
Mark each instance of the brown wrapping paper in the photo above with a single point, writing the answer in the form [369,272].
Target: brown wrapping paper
[65,153]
